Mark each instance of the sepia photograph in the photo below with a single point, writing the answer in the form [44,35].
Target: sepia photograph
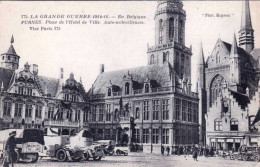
[130,83]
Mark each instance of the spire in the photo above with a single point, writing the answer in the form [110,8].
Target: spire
[201,55]
[246,17]
[234,46]
[12,39]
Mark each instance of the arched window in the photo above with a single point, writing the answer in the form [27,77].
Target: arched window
[181,31]
[215,87]
[116,114]
[234,124]
[171,29]
[152,59]
[3,58]
[109,92]
[218,125]
[146,88]
[165,57]
[127,88]
[160,31]
[8,58]
[137,113]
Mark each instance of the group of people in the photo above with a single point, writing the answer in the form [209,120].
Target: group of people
[188,150]
[9,153]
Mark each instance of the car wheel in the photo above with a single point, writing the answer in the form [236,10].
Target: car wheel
[256,158]
[245,157]
[61,155]
[117,152]
[125,154]
[35,159]
[232,157]
[86,156]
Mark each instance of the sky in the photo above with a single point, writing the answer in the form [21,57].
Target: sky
[82,48]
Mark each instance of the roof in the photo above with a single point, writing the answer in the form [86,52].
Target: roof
[48,85]
[11,50]
[5,77]
[242,99]
[245,16]
[256,53]
[158,75]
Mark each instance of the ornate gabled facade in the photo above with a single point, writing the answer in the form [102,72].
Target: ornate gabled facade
[157,97]
[28,100]
[230,82]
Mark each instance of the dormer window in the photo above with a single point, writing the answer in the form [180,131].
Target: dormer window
[127,88]
[109,92]
[146,87]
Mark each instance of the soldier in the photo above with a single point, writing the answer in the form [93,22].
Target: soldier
[10,150]
[162,150]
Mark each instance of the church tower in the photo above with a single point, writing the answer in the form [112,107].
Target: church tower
[246,33]
[10,59]
[170,38]
[235,76]
[201,89]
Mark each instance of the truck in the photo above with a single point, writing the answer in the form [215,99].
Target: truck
[71,148]
[29,143]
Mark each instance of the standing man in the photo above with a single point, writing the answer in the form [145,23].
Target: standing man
[162,150]
[10,150]
[168,150]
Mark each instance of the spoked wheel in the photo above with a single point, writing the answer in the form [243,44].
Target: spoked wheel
[232,157]
[245,158]
[256,158]
[117,152]
[125,154]
[61,155]
[34,158]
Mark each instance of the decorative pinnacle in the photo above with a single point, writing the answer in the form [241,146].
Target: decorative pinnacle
[12,39]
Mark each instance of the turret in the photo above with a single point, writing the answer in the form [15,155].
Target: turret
[234,65]
[246,33]
[10,59]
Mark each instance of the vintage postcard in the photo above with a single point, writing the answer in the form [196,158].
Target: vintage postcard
[130,83]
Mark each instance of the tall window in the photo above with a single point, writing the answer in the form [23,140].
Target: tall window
[165,136]
[189,112]
[7,108]
[69,115]
[182,65]
[171,29]
[137,136]
[73,97]
[60,114]
[183,136]
[146,110]
[108,114]
[85,115]
[20,90]
[146,88]
[184,107]
[77,115]
[116,114]
[181,31]
[160,31]
[152,61]
[94,116]
[218,125]
[29,91]
[109,92]
[101,113]
[18,109]
[177,64]
[195,112]
[38,111]
[127,88]
[165,109]
[234,125]
[107,134]
[156,109]
[28,110]
[189,137]
[155,136]
[165,57]
[137,113]
[50,112]
[177,108]
[145,135]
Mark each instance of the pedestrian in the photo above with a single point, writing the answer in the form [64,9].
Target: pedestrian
[10,150]
[195,154]
[179,150]
[168,150]
[162,150]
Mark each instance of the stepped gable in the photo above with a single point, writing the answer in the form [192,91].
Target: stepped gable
[242,99]
[49,86]
[5,77]
[159,76]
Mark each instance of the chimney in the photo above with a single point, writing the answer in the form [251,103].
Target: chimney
[61,73]
[101,69]
[35,69]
